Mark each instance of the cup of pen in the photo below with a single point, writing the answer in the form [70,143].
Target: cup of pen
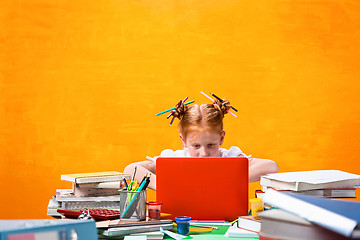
[133,205]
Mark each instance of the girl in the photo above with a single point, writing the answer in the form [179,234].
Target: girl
[202,134]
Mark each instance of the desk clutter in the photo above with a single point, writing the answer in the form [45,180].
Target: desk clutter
[290,206]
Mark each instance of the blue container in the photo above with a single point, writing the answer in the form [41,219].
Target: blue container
[183,224]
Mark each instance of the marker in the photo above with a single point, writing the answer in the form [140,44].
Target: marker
[172,108]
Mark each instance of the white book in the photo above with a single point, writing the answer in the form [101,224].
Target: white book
[234,231]
[249,223]
[93,192]
[88,199]
[308,180]
[326,192]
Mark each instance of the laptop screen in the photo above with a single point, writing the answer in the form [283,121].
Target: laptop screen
[209,188]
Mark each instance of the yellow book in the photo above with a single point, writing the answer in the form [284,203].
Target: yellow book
[95,177]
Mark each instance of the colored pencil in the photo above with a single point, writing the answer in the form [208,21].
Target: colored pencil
[222,100]
[207,96]
[172,108]
[214,101]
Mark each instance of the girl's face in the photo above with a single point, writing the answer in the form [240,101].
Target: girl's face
[203,143]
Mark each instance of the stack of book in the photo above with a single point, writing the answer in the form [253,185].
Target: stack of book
[89,190]
[297,216]
[320,183]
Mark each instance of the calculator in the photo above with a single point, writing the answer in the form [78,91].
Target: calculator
[96,213]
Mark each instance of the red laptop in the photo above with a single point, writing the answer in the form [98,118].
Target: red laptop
[203,188]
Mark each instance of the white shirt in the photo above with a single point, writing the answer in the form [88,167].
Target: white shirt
[232,152]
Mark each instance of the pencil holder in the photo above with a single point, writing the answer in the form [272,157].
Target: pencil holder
[133,205]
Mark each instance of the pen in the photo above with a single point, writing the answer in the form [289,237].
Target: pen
[222,100]
[126,185]
[172,108]
[147,181]
[133,177]
[144,179]
[200,225]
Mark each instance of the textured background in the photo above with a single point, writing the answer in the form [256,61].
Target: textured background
[80,82]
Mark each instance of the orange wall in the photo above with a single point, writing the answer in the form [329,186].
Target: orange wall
[80,82]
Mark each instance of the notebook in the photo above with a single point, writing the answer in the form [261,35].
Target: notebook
[203,188]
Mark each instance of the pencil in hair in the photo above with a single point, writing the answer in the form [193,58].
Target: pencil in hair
[222,100]
[170,109]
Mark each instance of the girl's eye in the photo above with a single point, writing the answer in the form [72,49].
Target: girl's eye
[196,146]
[211,145]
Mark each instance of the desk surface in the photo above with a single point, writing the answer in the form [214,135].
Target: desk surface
[216,234]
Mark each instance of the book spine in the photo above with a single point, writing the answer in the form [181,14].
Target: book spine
[347,183]
[278,184]
[95,179]
[310,212]
[95,192]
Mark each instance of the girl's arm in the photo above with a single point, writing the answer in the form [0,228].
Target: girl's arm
[143,168]
[260,167]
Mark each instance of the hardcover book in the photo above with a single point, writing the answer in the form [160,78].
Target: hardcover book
[339,216]
[249,223]
[279,224]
